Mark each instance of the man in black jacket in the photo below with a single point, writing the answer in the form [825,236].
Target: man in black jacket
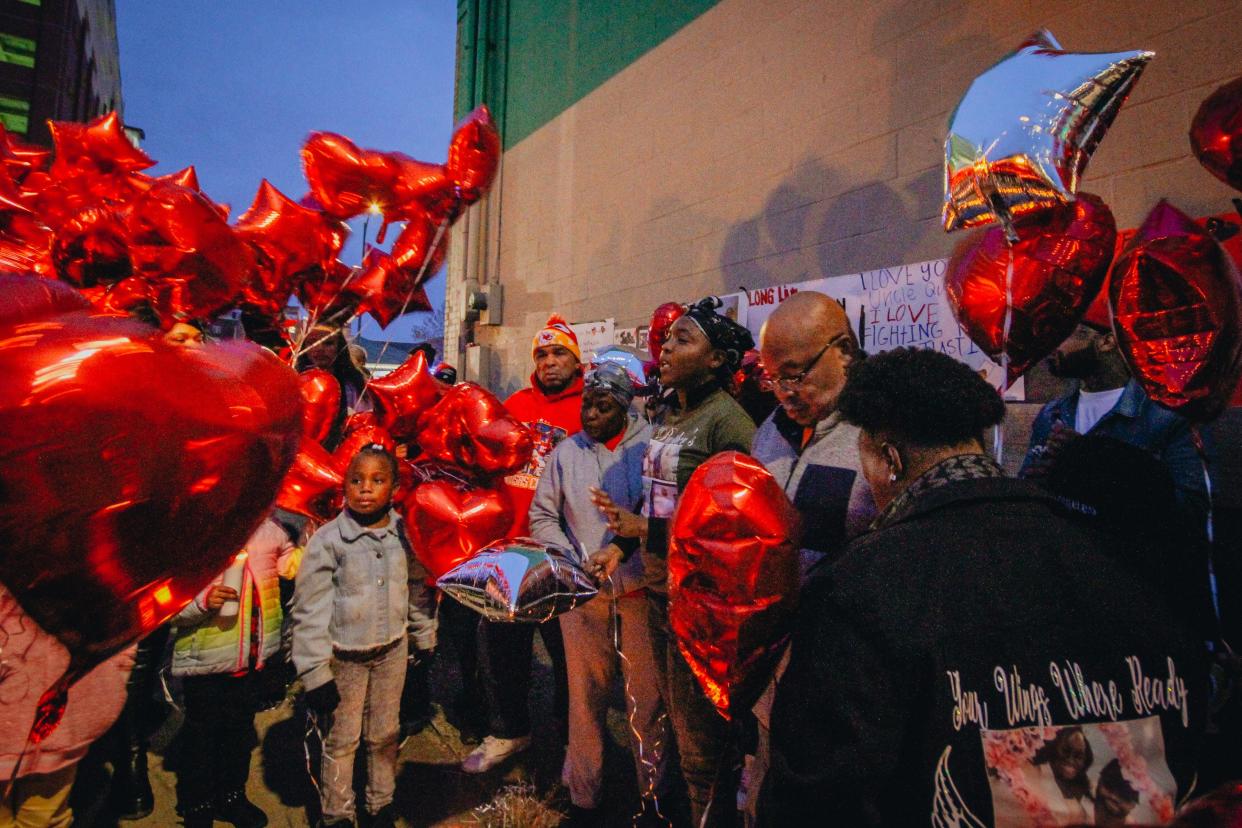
[977,658]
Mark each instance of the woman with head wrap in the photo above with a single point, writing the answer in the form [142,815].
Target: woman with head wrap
[695,419]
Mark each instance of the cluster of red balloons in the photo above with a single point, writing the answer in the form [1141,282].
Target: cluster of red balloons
[1173,296]
[87,214]
[461,441]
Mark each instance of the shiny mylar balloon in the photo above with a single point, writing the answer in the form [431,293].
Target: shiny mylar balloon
[133,470]
[92,248]
[519,579]
[733,577]
[474,155]
[449,521]
[182,247]
[99,146]
[1176,301]
[312,487]
[1024,131]
[385,289]
[399,398]
[364,433]
[25,299]
[292,241]
[661,320]
[321,398]
[19,157]
[472,429]
[1216,133]
[1054,271]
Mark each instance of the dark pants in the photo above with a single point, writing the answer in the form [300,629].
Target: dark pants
[705,743]
[460,626]
[217,737]
[507,649]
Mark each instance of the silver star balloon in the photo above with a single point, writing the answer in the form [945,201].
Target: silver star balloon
[1024,131]
[519,579]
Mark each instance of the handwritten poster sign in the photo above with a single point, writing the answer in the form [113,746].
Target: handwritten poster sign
[593,336]
[891,307]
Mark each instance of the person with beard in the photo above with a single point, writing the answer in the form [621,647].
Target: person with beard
[1107,401]
[551,407]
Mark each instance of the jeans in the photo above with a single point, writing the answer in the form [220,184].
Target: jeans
[506,651]
[704,740]
[593,664]
[217,737]
[370,685]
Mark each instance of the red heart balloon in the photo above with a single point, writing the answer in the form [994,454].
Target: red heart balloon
[1058,264]
[132,470]
[362,435]
[345,179]
[321,398]
[312,487]
[92,248]
[182,247]
[1176,302]
[399,398]
[474,155]
[470,428]
[1216,133]
[733,577]
[448,522]
[661,320]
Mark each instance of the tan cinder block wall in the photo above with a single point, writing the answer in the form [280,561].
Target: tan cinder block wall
[774,141]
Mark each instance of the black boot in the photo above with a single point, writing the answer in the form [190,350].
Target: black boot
[235,809]
[416,711]
[130,796]
[199,816]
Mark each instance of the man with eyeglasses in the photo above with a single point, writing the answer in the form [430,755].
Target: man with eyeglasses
[805,347]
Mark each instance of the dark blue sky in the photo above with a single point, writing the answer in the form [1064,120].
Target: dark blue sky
[234,87]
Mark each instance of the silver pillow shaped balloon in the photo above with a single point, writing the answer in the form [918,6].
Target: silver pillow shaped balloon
[519,579]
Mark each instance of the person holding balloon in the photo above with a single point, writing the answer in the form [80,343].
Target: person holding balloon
[359,595]
[224,638]
[696,419]
[610,634]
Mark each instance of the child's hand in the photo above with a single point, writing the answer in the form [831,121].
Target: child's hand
[218,594]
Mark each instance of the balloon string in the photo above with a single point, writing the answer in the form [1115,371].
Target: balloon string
[998,433]
[1209,527]
[418,280]
[650,766]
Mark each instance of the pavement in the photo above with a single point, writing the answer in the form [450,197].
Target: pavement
[431,788]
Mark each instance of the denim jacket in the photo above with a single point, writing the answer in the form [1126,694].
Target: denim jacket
[358,588]
[1136,420]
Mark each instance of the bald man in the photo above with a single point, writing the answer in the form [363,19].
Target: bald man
[806,345]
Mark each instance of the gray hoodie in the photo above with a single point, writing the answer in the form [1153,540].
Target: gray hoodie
[821,479]
[562,511]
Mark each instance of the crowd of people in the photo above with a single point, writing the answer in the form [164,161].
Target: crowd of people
[970,648]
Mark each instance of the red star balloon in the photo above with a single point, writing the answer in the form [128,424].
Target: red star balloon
[292,240]
[403,395]
[100,145]
[92,248]
[312,486]
[474,155]
[1176,302]
[1023,133]
[19,157]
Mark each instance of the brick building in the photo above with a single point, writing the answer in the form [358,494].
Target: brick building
[661,149]
[58,60]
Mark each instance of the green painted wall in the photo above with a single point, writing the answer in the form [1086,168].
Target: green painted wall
[530,60]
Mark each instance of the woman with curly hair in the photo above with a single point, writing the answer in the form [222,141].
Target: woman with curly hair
[974,605]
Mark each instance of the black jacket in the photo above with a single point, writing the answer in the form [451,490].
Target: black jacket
[904,650]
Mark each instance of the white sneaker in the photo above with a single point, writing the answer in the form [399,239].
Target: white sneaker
[491,752]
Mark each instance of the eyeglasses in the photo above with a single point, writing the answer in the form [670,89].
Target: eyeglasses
[791,384]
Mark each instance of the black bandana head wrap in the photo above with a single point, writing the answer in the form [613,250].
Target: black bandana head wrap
[721,331]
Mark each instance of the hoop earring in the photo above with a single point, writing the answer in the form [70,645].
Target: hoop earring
[892,477]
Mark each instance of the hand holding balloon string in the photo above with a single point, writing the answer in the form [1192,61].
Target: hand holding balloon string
[621,522]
